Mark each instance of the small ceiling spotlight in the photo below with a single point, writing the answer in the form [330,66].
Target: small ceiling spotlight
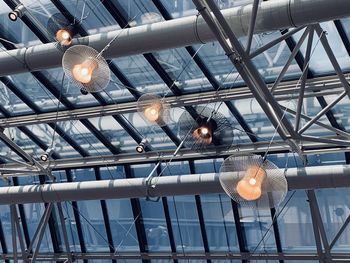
[84,92]
[46,155]
[141,147]
[18,12]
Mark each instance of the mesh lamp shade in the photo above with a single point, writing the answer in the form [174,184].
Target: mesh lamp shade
[154,109]
[87,69]
[253,182]
[59,26]
[205,129]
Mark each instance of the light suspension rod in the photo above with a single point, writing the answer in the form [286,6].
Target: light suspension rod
[306,178]
[186,31]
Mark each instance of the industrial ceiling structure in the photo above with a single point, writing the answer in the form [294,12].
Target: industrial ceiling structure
[86,178]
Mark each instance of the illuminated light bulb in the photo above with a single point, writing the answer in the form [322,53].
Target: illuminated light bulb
[13,16]
[249,187]
[204,131]
[203,134]
[153,112]
[64,37]
[83,72]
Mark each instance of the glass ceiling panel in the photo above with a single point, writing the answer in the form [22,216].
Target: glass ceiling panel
[5,217]
[42,10]
[219,223]
[114,133]
[341,110]
[179,8]
[37,92]
[311,107]
[140,12]
[334,209]
[18,29]
[95,18]
[257,225]
[144,78]
[122,224]
[120,215]
[319,62]
[70,91]
[45,133]
[33,213]
[219,65]
[271,62]
[23,141]
[185,224]
[84,137]
[256,119]
[182,69]
[11,102]
[295,224]
[346,24]
[155,225]
[91,217]
[152,132]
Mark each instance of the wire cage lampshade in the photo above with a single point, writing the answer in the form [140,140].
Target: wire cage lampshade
[86,68]
[252,181]
[59,26]
[205,128]
[154,109]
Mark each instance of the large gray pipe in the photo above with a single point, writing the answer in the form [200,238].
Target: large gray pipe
[272,15]
[308,178]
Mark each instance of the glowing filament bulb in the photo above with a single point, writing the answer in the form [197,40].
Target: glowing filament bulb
[64,37]
[153,112]
[203,135]
[249,187]
[83,72]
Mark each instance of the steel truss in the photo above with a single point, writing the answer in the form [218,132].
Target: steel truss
[267,96]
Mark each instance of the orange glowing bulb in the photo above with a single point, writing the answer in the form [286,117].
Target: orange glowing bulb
[249,187]
[203,134]
[152,113]
[64,37]
[83,72]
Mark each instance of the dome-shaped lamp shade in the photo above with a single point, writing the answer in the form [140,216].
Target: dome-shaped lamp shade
[204,129]
[253,182]
[154,109]
[86,68]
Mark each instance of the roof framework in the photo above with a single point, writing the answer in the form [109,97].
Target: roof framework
[94,137]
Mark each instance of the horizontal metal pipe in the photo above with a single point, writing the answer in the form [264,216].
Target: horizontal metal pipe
[306,178]
[315,87]
[272,15]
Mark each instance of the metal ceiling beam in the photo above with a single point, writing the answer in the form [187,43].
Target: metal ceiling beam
[184,154]
[314,87]
[210,77]
[272,15]
[302,178]
[248,71]
[226,255]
